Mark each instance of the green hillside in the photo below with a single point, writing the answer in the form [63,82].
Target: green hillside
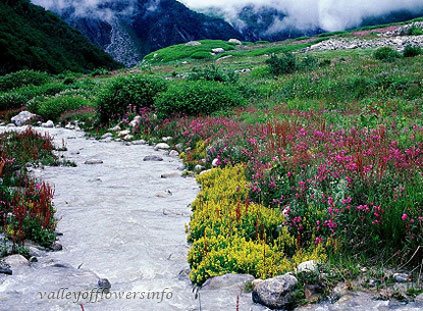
[32,38]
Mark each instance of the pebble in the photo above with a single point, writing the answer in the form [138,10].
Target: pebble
[162,146]
[56,246]
[401,277]
[174,153]
[139,142]
[104,284]
[93,162]
[153,158]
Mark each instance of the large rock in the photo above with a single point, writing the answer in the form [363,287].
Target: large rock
[275,293]
[236,41]
[193,43]
[227,281]
[308,266]
[16,261]
[48,124]
[24,118]
[218,50]
[162,146]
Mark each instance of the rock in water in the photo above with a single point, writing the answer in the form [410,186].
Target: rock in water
[5,268]
[48,124]
[153,158]
[275,293]
[104,284]
[162,146]
[24,118]
[93,162]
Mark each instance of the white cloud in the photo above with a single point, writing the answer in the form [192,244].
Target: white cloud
[330,15]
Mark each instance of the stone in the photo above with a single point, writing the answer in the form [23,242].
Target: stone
[11,125]
[153,158]
[48,124]
[401,277]
[236,41]
[33,259]
[193,43]
[70,126]
[166,139]
[124,133]
[128,137]
[308,266]
[204,172]
[139,142]
[174,153]
[24,118]
[162,146]
[218,50]
[104,284]
[16,261]
[198,168]
[5,268]
[170,175]
[419,300]
[56,246]
[135,122]
[215,162]
[340,290]
[275,293]
[228,280]
[107,135]
[116,128]
[93,162]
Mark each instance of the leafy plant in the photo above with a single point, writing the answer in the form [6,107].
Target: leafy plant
[197,98]
[23,78]
[412,51]
[128,94]
[284,64]
[386,54]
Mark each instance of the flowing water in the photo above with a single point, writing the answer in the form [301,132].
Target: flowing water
[121,221]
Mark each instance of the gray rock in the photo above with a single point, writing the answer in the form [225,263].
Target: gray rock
[104,284]
[174,153]
[275,293]
[70,126]
[171,175]
[128,137]
[135,122]
[198,168]
[11,125]
[48,124]
[162,146]
[56,246]
[24,118]
[153,158]
[228,280]
[124,133]
[107,135]
[401,277]
[218,50]
[33,259]
[93,162]
[193,43]
[236,41]
[167,138]
[308,266]
[139,142]
[116,128]
[419,300]
[16,261]
[5,268]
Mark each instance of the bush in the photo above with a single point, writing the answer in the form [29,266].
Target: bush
[50,108]
[126,94]
[11,100]
[309,63]
[386,54]
[22,78]
[415,31]
[412,51]
[285,64]
[197,98]
[213,73]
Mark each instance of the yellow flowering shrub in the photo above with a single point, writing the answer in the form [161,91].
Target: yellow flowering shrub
[229,234]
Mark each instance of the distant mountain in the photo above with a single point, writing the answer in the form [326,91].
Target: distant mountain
[31,37]
[128,30]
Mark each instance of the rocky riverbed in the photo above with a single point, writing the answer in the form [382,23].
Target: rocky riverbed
[121,217]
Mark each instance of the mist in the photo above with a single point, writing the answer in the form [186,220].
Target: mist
[329,15]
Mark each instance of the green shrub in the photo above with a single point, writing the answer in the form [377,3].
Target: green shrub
[126,94]
[47,89]
[213,73]
[309,63]
[415,31]
[386,54]
[11,100]
[22,78]
[412,51]
[201,55]
[197,98]
[285,64]
[50,108]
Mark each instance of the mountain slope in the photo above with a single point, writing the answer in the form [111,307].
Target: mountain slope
[128,30]
[32,38]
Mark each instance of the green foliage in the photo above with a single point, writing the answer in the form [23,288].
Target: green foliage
[128,94]
[412,51]
[415,31]
[33,38]
[182,51]
[386,54]
[284,64]
[213,73]
[11,100]
[22,78]
[197,98]
[51,107]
